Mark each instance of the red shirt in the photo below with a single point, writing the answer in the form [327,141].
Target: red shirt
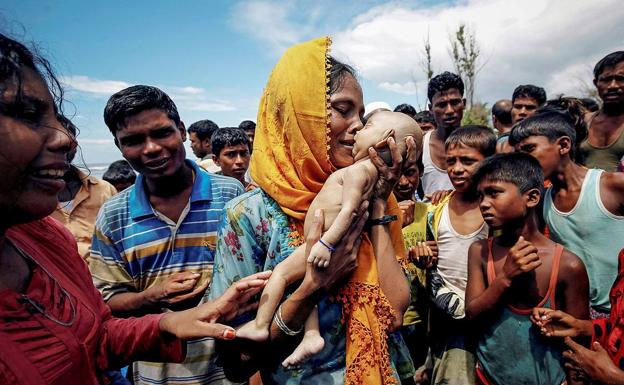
[610,331]
[38,349]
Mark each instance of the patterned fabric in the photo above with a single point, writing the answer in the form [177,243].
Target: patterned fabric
[37,350]
[256,235]
[135,247]
[79,219]
[610,331]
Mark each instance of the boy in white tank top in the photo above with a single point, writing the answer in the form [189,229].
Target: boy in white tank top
[456,223]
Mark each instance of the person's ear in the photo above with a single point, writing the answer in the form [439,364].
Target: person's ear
[182,130]
[565,145]
[215,159]
[464,101]
[595,81]
[533,197]
[388,134]
[430,107]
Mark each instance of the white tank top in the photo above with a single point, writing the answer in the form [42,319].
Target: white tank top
[453,252]
[433,178]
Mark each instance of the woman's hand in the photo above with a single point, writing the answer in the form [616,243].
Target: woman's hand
[555,323]
[344,258]
[201,321]
[596,363]
[390,175]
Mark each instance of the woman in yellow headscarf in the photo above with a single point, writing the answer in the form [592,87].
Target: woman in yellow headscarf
[308,115]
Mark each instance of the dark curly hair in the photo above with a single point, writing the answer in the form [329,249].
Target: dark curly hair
[442,82]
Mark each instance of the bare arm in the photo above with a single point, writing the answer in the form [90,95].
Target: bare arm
[481,298]
[355,184]
[391,276]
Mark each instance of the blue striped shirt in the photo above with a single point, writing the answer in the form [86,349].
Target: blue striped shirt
[135,247]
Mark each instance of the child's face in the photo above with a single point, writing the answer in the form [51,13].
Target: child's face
[234,161]
[461,163]
[501,202]
[546,152]
[371,134]
[406,187]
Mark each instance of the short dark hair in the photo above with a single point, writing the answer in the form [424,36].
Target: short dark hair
[134,100]
[548,122]
[478,137]
[443,82]
[576,111]
[611,60]
[247,125]
[501,113]
[204,129]
[529,91]
[425,116]
[517,168]
[119,171]
[228,136]
[337,74]
[405,108]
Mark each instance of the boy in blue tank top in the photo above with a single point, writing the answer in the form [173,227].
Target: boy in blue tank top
[584,208]
[516,271]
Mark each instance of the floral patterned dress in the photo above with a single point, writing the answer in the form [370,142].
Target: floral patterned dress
[255,235]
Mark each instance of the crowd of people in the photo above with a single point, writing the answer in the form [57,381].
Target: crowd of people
[331,243]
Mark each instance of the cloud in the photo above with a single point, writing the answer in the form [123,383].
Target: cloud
[548,43]
[93,86]
[186,97]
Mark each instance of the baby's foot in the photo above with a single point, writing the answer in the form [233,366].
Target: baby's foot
[251,331]
[311,344]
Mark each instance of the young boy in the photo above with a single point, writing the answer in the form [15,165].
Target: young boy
[341,196]
[231,151]
[518,270]
[584,209]
[456,223]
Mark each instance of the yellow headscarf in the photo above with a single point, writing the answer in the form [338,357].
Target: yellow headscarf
[290,163]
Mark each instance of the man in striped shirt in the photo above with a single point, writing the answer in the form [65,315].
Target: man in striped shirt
[153,246]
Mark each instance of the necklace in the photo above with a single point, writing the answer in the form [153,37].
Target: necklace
[24,298]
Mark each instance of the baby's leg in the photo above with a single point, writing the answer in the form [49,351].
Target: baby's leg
[311,344]
[286,272]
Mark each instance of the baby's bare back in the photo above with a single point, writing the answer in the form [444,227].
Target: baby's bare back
[330,199]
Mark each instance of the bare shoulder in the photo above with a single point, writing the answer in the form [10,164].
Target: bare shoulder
[479,249]
[613,181]
[571,266]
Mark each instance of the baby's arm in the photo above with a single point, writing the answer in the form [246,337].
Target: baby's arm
[286,272]
[355,183]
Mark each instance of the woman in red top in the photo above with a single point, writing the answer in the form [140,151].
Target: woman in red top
[604,362]
[54,325]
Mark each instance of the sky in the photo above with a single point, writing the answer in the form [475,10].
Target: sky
[214,57]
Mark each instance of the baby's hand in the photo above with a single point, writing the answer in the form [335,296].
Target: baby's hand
[319,255]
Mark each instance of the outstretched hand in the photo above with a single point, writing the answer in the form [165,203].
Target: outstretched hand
[555,323]
[424,254]
[595,363]
[201,321]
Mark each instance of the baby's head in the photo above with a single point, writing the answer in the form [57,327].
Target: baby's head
[383,125]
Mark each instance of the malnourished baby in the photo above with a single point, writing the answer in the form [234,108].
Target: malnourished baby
[341,196]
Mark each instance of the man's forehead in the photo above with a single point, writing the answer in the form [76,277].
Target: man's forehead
[522,100]
[447,94]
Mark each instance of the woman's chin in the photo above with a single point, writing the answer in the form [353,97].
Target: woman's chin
[342,157]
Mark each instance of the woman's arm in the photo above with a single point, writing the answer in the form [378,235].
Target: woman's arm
[391,276]
[388,268]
